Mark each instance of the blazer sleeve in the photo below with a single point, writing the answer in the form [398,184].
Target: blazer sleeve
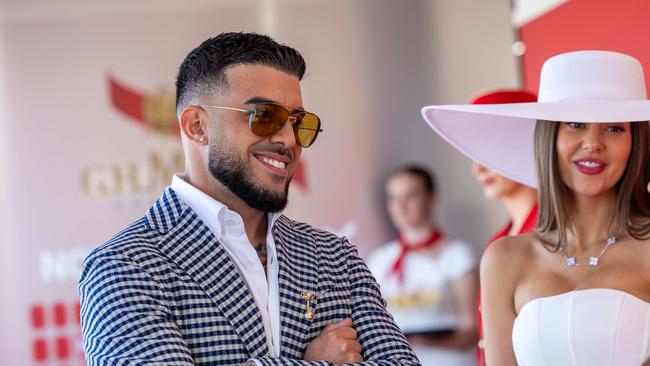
[382,341]
[124,317]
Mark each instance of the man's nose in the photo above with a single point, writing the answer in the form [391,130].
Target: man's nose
[285,136]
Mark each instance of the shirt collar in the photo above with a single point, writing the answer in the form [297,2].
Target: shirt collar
[207,208]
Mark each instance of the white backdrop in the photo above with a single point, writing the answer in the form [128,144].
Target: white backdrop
[75,167]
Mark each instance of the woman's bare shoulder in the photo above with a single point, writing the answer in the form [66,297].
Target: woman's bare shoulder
[510,251]
[513,245]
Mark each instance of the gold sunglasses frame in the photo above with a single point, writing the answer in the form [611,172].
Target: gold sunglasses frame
[291,119]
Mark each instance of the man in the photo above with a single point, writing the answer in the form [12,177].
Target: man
[214,273]
[428,279]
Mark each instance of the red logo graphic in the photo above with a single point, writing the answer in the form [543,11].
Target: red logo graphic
[158,113]
[154,111]
[58,332]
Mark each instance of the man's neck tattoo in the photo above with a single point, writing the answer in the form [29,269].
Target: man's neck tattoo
[261,253]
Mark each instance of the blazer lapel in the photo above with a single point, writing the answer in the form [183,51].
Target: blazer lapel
[297,275]
[191,245]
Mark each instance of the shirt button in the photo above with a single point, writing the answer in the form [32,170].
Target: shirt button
[230,222]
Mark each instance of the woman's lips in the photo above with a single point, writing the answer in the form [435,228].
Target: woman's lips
[590,166]
[488,181]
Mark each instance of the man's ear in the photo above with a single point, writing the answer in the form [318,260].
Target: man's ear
[191,125]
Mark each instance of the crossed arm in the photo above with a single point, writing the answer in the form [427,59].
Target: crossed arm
[126,320]
[379,340]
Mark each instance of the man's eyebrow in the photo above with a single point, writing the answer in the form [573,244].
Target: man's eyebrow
[255,100]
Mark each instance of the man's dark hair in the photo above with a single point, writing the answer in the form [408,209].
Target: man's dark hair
[203,70]
[424,174]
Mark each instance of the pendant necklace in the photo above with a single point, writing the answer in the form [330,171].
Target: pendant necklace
[593,261]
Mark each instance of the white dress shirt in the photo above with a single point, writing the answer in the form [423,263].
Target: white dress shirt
[228,227]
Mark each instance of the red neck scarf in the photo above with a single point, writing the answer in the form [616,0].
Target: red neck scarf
[528,225]
[405,247]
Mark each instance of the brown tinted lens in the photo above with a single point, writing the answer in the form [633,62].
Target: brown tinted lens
[268,118]
[306,128]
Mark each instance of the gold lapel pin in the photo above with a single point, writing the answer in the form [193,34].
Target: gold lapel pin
[309,298]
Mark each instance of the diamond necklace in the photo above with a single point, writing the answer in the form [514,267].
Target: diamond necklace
[593,261]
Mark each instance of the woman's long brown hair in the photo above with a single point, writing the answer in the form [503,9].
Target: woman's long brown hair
[632,210]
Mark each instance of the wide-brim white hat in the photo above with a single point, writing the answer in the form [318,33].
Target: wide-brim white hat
[581,86]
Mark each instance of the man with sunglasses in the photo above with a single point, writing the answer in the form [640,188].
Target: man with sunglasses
[214,273]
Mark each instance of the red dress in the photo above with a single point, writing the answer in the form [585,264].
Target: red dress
[528,226]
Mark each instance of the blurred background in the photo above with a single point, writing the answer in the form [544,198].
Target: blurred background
[88,135]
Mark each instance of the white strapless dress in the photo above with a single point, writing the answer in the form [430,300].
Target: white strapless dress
[590,327]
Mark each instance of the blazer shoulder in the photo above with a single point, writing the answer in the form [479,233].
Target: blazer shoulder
[134,243]
[321,238]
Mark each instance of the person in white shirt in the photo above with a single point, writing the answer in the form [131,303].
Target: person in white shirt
[428,279]
[214,274]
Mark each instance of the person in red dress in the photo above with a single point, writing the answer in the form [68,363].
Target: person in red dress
[519,200]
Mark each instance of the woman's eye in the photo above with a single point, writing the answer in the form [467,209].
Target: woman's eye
[615,128]
[576,124]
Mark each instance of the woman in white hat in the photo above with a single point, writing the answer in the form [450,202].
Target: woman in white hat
[577,290]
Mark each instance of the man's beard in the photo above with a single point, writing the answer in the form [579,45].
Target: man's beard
[231,170]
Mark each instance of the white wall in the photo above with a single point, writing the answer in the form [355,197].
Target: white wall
[438,52]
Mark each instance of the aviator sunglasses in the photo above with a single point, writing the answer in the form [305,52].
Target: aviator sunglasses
[267,118]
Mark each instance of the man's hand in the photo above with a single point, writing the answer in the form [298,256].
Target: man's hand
[337,343]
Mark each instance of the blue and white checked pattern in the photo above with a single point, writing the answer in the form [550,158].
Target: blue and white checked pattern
[164,292]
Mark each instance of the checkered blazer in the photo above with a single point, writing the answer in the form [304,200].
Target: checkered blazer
[165,292]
